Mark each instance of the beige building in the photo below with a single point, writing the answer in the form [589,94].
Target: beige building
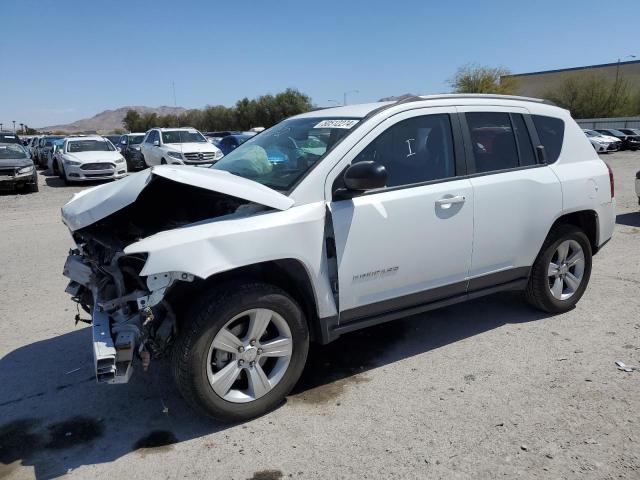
[535,84]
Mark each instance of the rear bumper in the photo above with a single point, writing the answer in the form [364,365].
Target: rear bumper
[606,221]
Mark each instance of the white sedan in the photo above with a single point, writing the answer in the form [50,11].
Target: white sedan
[601,143]
[89,158]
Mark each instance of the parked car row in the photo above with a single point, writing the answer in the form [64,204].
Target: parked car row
[606,140]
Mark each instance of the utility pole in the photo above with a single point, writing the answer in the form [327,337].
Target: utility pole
[22,128]
[0,127]
[344,95]
[173,87]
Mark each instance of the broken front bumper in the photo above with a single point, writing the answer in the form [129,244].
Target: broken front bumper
[112,358]
[123,325]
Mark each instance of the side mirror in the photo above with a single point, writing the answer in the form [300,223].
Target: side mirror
[156,143]
[362,176]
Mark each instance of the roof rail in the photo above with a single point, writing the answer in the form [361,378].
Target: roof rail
[490,96]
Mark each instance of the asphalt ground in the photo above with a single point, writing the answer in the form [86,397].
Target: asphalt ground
[486,389]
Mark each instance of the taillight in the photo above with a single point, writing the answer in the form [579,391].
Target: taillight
[611,182]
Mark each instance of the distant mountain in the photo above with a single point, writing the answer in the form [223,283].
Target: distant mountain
[109,120]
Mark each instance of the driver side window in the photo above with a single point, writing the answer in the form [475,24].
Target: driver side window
[415,150]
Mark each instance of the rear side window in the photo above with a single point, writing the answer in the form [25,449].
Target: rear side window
[551,134]
[493,141]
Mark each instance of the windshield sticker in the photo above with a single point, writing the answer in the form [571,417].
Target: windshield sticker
[336,124]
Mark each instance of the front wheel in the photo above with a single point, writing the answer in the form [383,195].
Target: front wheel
[561,272]
[241,351]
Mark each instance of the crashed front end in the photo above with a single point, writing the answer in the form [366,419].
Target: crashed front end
[132,316]
[129,315]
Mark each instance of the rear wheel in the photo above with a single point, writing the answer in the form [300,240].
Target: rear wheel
[242,350]
[561,272]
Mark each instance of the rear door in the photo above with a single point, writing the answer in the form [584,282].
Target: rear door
[516,197]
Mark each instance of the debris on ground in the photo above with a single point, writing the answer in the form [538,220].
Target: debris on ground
[625,368]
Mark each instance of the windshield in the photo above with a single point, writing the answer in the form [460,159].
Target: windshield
[591,133]
[278,157]
[135,139]
[182,136]
[49,141]
[8,138]
[617,133]
[89,146]
[13,150]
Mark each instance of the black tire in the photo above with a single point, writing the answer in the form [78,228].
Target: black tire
[538,292]
[144,161]
[163,162]
[204,321]
[32,187]
[63,175]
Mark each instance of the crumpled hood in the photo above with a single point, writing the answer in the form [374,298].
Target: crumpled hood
[94,204]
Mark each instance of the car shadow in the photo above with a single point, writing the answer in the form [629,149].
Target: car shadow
[55,417]
[54,181]
[630,219]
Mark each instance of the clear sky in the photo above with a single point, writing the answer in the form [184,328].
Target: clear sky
[62,60]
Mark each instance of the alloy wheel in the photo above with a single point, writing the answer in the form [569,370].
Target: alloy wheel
[566,270]
[249,355]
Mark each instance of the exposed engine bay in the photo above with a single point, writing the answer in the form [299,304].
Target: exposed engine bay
[131,315]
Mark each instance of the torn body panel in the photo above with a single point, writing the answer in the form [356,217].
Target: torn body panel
[129,261]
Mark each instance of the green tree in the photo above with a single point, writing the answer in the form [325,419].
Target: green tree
[131,120]
[474,78]
[592,96]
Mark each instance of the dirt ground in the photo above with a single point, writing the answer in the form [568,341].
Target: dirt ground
[486,389]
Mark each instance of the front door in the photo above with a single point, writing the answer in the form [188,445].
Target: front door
[409,243]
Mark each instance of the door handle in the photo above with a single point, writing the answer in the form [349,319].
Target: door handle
[446,202]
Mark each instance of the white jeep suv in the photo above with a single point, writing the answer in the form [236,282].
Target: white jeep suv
[178,146]
[329,222]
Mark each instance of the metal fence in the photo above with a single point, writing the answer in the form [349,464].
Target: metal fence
[618,122]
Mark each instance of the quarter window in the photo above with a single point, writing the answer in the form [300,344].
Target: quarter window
[551,134]
[415,150]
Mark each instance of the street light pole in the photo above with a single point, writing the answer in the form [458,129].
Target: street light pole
[336,102]
[14,126]
[344,95]
[618,66]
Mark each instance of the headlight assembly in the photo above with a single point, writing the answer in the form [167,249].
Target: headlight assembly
[120,160]
[25,170]
[218,155]
[72,163]
[177,155]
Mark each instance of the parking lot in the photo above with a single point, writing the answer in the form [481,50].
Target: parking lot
[477,390]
